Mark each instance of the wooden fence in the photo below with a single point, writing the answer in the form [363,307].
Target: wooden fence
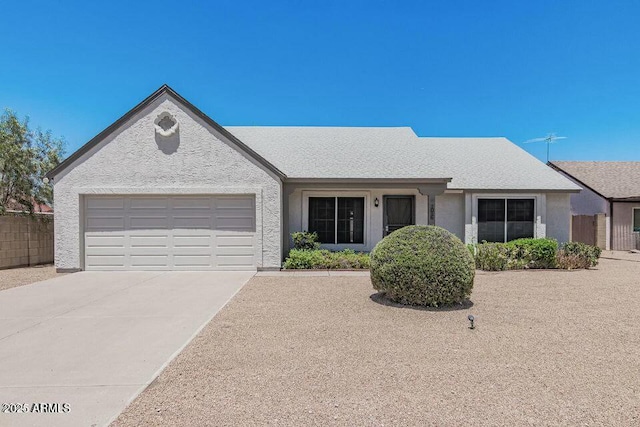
[589,229]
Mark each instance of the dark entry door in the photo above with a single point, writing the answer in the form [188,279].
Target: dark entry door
[399,211]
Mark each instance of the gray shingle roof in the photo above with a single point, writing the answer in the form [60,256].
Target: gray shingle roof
[616,180]
[397,153]
[494,163]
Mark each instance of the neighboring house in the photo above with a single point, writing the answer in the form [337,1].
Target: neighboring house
[166,187]
[611,189]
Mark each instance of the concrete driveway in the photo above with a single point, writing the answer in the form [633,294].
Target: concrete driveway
[94,340]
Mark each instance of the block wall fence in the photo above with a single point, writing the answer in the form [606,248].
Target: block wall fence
[25,240]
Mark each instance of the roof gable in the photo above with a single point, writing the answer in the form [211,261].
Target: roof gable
[164,89]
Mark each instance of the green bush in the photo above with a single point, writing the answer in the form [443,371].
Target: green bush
[348,259]
[573,255]
[306,259]
[323,259]
[517,254]
[472,249]
[492,257]
[533,253]
[305,240]
[422,265]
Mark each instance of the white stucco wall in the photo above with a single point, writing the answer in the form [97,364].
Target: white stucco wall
[587,202]
[298,210]
[456,212]
[450,213]
[131,161]
[559,216]
[552,214]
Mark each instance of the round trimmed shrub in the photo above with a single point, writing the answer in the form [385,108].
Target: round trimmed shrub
[422,265]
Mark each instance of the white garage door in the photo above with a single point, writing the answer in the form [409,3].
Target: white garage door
[169,232]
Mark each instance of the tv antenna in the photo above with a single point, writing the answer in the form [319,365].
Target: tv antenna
[549,139]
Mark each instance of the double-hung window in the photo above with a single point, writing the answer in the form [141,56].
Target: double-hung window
[502,220]
[636,220]
[337,219]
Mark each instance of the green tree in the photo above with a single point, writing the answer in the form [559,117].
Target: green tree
[25,157]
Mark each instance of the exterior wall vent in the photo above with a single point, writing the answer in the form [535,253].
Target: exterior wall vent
[166,124]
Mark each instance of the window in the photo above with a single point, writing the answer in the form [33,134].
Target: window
[519,218]
[491,214]
[502,220]
[337,219]
[636,220]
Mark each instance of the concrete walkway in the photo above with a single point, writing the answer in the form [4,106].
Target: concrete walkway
[95,340]
[622,255]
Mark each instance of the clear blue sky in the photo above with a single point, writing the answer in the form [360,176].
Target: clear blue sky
[448,68]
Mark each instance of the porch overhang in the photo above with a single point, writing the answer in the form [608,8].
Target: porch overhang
[426,186]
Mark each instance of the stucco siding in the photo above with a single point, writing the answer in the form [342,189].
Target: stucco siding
[133,160]
[298,210]
[622,226]
[450,213]
[587,202]
[552,214]
[559,216]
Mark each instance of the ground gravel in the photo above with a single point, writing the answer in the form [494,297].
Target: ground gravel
[550,348]
[23,276]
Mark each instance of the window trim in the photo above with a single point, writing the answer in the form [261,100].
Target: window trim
[536,201]
[338,193]
[633,216]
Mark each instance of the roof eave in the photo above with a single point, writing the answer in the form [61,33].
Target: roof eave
[517,190]
[630,199]
[349,180]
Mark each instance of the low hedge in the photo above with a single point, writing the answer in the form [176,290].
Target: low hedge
[534,253]
[574,255]
[492,257]
[309,259]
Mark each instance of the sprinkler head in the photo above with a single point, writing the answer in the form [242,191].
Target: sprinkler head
[471,319]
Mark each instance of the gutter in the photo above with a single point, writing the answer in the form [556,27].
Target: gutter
[367,180]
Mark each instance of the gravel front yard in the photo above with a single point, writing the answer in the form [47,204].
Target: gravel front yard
[550,348]
[23,276]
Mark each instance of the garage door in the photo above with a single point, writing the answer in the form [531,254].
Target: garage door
[169,232]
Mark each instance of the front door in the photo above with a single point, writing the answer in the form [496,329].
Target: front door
[398,212]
